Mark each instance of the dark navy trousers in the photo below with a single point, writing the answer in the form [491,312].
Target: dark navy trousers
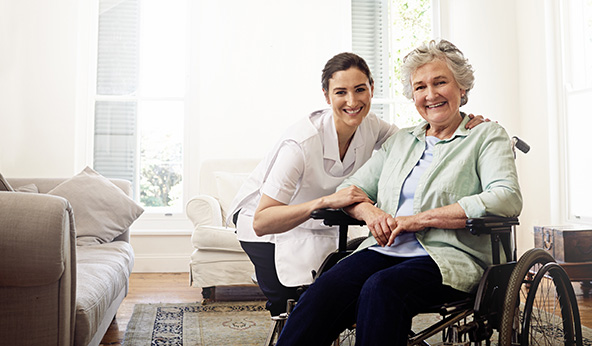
[379,293]
[262,256]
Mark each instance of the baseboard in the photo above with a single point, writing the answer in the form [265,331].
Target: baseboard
[161,264]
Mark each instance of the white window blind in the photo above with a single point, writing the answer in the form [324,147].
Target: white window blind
[383,32]
[140,98]
[115,137]
[370,40]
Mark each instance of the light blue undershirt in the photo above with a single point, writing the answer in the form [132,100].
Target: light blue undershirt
[406,244]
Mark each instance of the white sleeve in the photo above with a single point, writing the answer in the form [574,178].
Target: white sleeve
[285,173]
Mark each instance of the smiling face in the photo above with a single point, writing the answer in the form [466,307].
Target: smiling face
[437,94]
[349,95]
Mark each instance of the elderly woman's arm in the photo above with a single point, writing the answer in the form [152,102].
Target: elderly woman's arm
[385,228]
[499,180]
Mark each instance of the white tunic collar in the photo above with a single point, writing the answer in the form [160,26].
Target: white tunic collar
[333,163]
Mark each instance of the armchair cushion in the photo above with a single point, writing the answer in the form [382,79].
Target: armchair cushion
[215,238]
[103,211]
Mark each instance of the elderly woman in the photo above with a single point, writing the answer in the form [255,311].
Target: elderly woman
[426,181]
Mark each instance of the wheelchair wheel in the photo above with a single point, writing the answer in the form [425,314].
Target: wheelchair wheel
[516,293]
[346,338]
[353,244]
[551,315]
[521,301]
[277,324]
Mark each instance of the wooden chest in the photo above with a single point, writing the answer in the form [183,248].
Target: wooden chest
[566,243]
[571,246]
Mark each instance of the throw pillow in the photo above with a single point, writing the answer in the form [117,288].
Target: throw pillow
[31,188]
[4,185]
[102,211]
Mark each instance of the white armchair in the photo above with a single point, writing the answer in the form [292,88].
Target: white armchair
[218,259]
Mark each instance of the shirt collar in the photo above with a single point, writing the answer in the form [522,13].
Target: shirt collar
[331,149]
[419,131]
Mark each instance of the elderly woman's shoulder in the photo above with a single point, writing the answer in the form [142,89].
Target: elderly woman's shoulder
[488,127]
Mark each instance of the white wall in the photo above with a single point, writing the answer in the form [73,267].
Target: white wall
[269,77]
[260,68]
[37,87]
[507,43]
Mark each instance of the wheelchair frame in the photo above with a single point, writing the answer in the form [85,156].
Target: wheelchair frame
[528,301]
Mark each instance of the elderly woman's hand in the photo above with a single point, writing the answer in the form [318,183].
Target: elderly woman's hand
[379,222]
[411,223]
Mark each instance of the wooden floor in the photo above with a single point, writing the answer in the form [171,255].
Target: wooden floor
[174,288]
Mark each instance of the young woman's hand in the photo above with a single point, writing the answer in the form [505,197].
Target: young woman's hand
[475,120]
[379,222]
[345,197]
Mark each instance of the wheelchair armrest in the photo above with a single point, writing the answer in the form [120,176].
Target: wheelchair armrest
[337,217]
[491,224]
[500,230]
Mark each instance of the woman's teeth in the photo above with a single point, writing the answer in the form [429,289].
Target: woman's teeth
[436,105]
[352,111]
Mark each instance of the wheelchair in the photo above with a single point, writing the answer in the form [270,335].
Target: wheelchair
[526,301]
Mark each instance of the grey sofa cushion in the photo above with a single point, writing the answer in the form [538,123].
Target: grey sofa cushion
[103,272]
[102,211]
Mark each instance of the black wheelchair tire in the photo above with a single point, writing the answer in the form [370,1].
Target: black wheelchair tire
[551,291]
[516,294]
[354,243]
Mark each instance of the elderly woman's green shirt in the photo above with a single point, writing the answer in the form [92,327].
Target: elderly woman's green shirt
[474,168]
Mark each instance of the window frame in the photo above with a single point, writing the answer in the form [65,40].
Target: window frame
[572,85]
[383,73]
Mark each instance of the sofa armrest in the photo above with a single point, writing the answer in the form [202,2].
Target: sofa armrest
[35,231]
[204,210]
[37,269]
[215,239]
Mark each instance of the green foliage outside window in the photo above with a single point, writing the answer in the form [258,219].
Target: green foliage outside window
[411,25]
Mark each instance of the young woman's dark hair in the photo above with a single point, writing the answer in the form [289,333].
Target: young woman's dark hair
[342,62]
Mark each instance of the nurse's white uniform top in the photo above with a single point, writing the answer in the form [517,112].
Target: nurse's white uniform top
[305,165]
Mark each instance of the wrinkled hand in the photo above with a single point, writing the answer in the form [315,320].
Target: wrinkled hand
[380,224]
[475,120]
[345,197]
[405,224]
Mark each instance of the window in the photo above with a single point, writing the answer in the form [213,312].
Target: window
[140,98]
[577,27]
[384,31]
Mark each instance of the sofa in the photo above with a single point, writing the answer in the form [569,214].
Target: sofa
[65,258]
[218,259]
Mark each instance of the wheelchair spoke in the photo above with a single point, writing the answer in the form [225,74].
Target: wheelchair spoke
[549,313]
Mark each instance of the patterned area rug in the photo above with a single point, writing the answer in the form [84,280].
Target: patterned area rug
[224,323]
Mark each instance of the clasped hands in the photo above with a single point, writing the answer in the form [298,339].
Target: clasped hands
[383,226]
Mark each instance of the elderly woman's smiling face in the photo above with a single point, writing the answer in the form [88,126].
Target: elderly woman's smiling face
[437,94]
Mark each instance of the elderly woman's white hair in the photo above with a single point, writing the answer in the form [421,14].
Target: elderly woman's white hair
[442,49]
